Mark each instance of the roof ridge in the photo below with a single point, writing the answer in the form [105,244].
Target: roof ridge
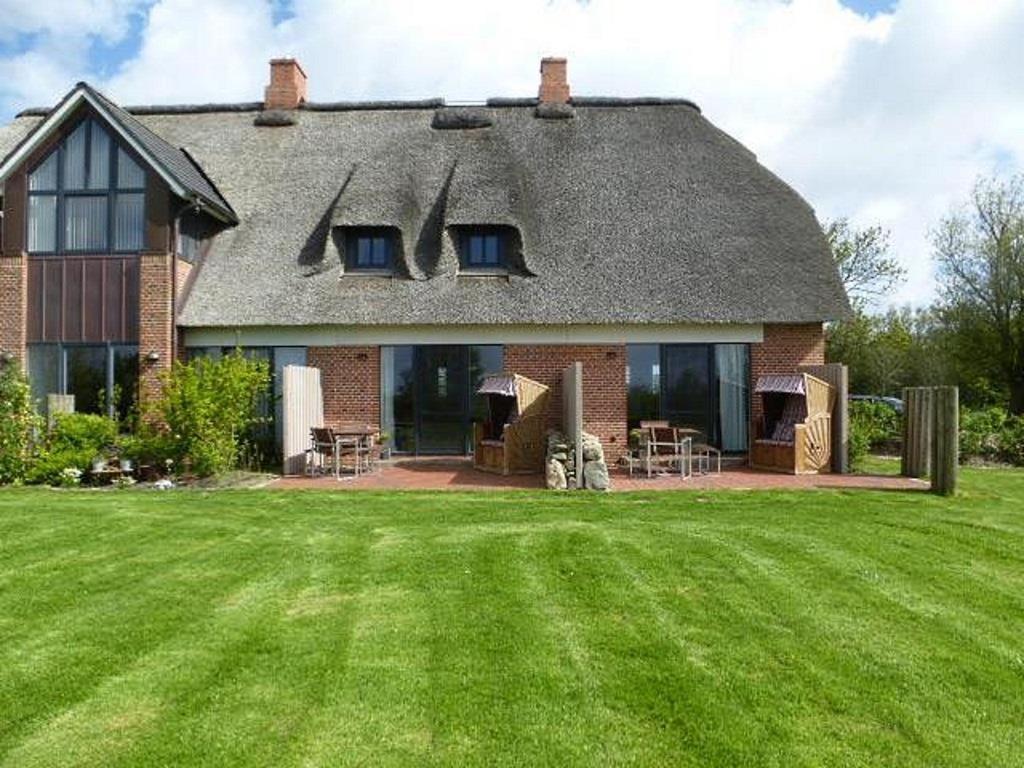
[496,102]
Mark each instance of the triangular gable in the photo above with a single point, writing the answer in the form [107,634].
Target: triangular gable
[175,166]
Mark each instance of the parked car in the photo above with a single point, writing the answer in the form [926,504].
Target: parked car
[893,402]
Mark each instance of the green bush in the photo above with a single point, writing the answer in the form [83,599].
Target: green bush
[149,447]
[859,444]
[210,410]
[873,426]
[980,432]
[18,424]
[990,434]
[75,440]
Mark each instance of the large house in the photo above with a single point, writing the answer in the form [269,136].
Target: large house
[407,248]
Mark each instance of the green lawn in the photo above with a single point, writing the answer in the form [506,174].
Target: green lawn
[300,629]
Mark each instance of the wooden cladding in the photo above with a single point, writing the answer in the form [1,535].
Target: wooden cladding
[83,298]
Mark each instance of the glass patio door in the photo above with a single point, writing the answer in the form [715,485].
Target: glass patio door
[686,385]
[442,399]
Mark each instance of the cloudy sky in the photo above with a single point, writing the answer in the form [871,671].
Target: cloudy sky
[881,110]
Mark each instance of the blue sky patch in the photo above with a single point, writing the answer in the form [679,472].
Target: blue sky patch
[871,7]
[105,58]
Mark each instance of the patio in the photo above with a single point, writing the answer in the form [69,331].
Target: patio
[457,473]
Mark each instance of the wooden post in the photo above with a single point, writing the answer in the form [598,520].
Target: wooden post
[946,441]
[918,428]
[572,415]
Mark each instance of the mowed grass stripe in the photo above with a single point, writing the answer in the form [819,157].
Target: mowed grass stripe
[261,628]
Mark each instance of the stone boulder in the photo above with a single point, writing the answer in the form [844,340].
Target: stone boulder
[595,476]
[555,475]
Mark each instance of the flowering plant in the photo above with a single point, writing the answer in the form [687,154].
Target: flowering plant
[70,477]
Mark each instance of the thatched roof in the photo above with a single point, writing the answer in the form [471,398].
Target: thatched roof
[628,212]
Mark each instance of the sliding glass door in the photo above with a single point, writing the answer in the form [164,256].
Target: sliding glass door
[687,386]
[428,395]
[442,399]
[700,386]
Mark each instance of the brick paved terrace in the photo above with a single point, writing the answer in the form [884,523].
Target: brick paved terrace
[451,473]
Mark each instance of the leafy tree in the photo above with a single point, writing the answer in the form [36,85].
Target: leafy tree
[979,251]
[866,267]
[208,410]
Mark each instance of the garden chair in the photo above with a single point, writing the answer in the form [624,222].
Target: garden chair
[665,447]
[322,450]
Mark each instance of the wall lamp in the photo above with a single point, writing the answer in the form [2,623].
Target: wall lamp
[153,357]
[6,356]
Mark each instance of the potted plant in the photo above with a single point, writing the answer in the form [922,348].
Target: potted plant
[385,447]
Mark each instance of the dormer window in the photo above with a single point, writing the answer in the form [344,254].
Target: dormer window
[483,249]
[87,196]
[370,250]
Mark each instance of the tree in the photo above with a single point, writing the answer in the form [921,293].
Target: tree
[866,267]
[874,347]
[979,252]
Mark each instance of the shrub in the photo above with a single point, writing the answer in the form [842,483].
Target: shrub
[209,409]
[18,423]
[859,444]
[872,426]
[75,440]
[1012,448]
[991,434]
[150,447]
[980,432]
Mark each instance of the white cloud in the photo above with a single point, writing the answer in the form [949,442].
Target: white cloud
[107,19]
[885,119]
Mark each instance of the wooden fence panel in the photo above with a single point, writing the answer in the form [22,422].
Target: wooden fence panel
[918,429]
[302,408]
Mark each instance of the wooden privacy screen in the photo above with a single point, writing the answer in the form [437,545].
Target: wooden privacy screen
[931,436]
[302,408]
[572,414]
[916,451]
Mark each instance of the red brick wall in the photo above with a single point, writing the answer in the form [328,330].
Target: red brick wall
[350,377]
[13,303]
[785,347]
[604,385]
[156,320]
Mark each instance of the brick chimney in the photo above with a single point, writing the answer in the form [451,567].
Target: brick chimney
[287,88]
[554,88]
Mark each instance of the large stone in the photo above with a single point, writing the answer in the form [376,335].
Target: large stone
[592,450]
[595,476]
[555,476]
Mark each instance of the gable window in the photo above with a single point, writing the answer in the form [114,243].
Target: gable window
[86,196]
[370,249]
[482,248]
